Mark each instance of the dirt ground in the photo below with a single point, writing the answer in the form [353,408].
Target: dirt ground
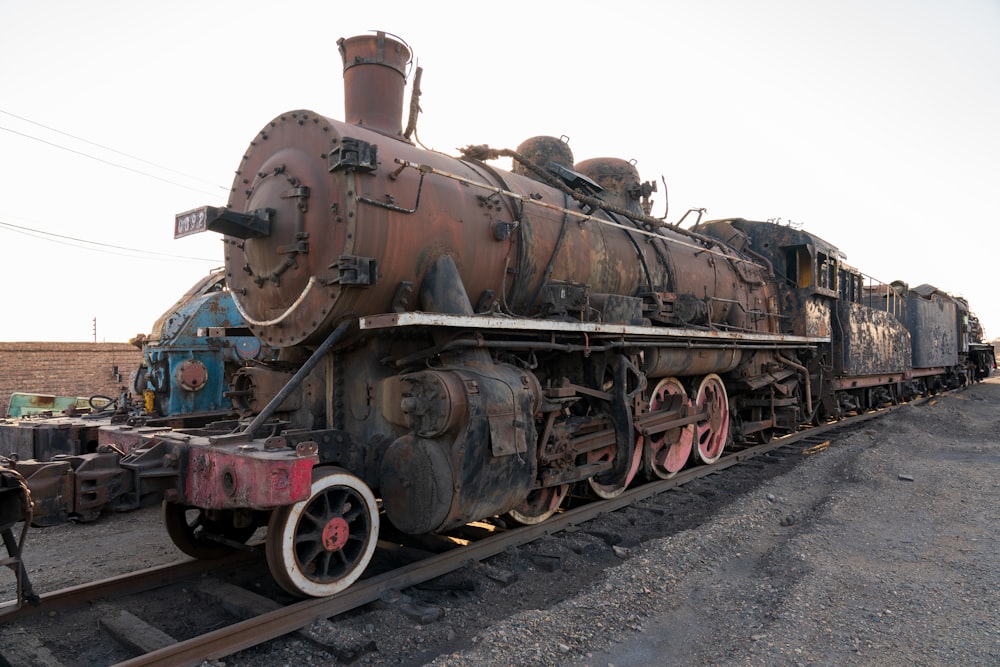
[881,549]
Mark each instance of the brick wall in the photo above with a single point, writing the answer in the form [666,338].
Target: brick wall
[64,369]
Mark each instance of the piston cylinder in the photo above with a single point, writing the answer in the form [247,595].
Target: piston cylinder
[471,451]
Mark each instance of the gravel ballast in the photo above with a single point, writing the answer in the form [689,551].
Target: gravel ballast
[879,549]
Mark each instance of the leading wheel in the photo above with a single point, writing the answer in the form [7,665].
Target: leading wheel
[191,530]
[711,430]
[321,545]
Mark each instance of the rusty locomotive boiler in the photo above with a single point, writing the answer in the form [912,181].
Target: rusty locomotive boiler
[458,341]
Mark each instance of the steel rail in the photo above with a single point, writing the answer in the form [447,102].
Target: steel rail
[259,629]
[125,584]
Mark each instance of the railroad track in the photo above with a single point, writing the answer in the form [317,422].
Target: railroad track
[269,619]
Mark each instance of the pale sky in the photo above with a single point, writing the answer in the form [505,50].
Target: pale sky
[873,123]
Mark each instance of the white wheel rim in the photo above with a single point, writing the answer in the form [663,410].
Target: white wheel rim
[711,435]
[679,452]
[355,559]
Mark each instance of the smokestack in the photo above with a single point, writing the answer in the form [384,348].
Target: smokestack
[374,82]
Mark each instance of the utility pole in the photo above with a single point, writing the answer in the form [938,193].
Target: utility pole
[95,329]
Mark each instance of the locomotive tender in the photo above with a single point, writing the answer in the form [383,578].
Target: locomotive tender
[457,341]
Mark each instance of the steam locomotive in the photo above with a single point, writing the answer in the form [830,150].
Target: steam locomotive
[458,341]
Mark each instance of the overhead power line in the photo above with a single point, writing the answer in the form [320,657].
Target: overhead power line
[109,162]
[100,247]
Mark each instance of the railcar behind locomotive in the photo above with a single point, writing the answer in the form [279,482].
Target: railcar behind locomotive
[458,341]
[888,342]
[71,460]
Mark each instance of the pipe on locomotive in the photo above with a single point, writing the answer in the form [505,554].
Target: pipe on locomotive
[300,375]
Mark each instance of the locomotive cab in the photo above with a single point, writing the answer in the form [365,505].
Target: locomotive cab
[822,295]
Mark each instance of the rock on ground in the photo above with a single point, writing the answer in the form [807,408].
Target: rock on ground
[880,550]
